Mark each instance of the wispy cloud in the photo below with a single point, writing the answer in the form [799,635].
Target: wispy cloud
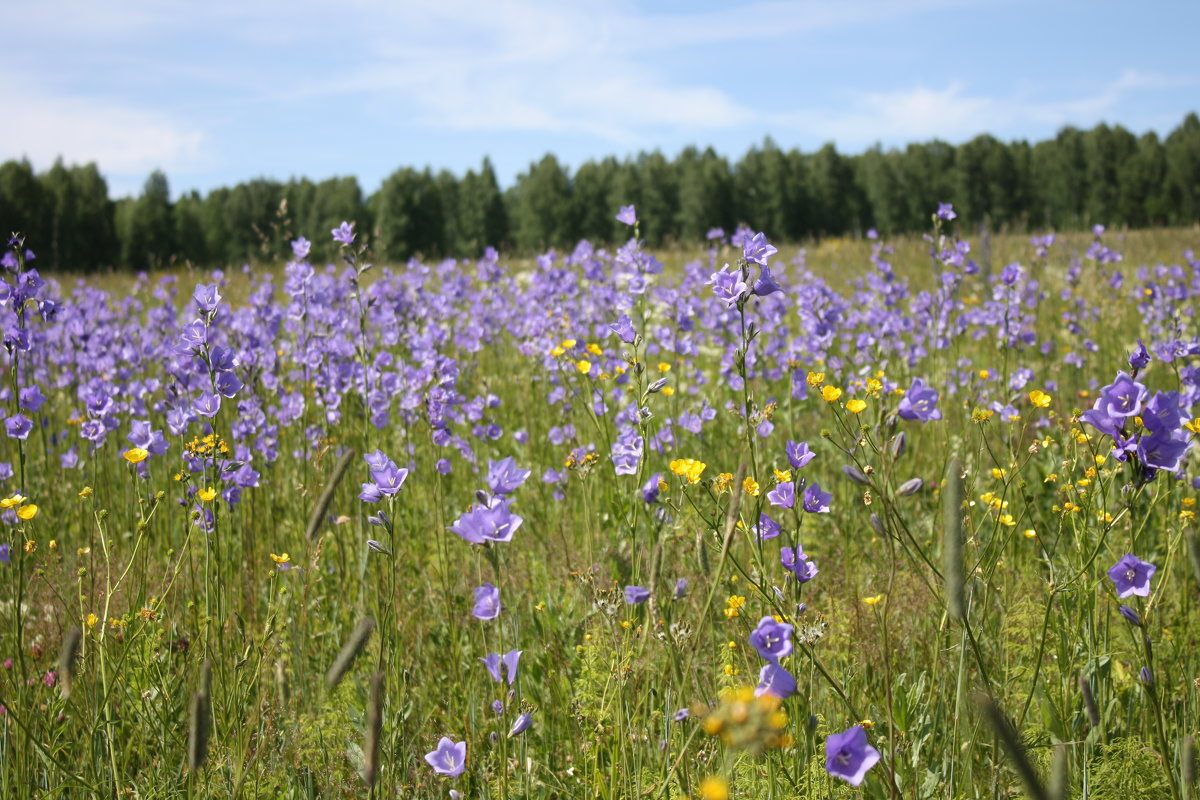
[955,113]
[128,143]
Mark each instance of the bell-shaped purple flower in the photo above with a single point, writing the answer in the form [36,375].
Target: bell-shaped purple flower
[728,286]
[207,404]
[919,402]
[520,725]
[627,215]
[504,476]
[848,756]
[1132,576]
[1140,357]
[487,602]
[798,563]
[344,233]
[757,250]
[767,528]
[650,489]
[776,681]
[450,757]
[765,284]
[636,594]
[772,640]
[815,500]
[623,328]
[31,398]
[18,426]
[206,298]
[1122,398]
[798,454]
[783,495]
[493,522]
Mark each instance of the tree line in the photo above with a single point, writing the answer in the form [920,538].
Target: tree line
[1078,178]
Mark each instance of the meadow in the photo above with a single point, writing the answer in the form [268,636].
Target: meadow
[866,519]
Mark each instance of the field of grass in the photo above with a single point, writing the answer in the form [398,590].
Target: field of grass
[586,526]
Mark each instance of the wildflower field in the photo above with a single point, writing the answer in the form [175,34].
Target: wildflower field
[918,526]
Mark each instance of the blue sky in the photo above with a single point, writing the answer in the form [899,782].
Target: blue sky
[215,92]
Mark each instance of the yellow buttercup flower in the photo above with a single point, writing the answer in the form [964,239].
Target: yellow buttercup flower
[855,406]
[664,367]
[782,475]
[688,468]
[207,494]
[750,486]
[567,344]
[27,512]
[872,600]
[12,502]
[91,620]
[815,378]
[830,394]
[136,455]
[594,349]
[1039,398]
[1193,426]
[283,559]
[714,788]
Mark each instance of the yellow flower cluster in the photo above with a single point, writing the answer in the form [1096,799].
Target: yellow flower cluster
[749,723]
[207,446]
[688,468]
[17,501]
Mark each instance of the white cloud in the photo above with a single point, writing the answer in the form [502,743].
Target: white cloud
[954,113]
[127,143]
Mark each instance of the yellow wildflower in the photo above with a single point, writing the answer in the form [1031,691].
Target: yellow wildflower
[750,486]
[584,366]
[815,378]
[136,455]
[855,406]
[27,512]
[207,494]
[91,620]
[688,468]
[664,366]
[668,391]
[982,414]
[281,559]
[782,475]
[567,344]
[873,600]
[594,349]
[1039,398]
[714,787]
[12,502]
[830,394]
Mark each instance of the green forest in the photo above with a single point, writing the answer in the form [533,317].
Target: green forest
[1080,177]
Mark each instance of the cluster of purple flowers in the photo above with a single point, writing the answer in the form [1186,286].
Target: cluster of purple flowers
[1159,442]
